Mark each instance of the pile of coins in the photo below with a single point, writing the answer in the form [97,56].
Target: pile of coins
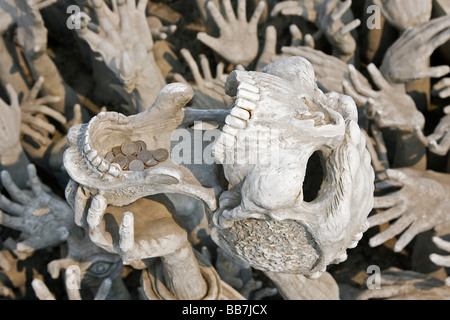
[134,156]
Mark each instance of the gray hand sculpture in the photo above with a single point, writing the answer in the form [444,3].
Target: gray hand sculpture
[421,204]
[390,107]
[44,219]
[398,284]
[408,58]
[238,41]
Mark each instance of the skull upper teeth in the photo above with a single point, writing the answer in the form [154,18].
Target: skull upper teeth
[248,87]
[248,95]
[245,104]
[240,113]
[235,122]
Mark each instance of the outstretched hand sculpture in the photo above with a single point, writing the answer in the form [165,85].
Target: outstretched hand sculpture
[126,51]
[420,205]
[238,41]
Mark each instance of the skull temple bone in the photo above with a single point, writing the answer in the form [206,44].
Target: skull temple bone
[301,177]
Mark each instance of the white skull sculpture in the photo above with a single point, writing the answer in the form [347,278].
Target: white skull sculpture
[280,125]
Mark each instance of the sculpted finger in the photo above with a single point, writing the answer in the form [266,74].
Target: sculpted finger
[433,72]
[309,41]
[11,207]
[377,77]
[26,130]
[362,89]
[72,290]
[444,94]
[270,43]
[341,9]
[104,289]
[408,236]
[387,201]
[36,89]
[280,6]
[348,90]
[35,182]
[441,38]
[397,176]
[209,41]
[193,66]
[442,148]
[393,230]
[205,67]
[383,292]
[15,193]
[217,16]
[14,100]
[96,224]
[443,261]
[441,243]
[229,12]
[38,123]
[126,232]
[15,223]
[242,10]
[253,24]
[350,27]
[388,215]
[4,263]
[297,36]
[420,136]
[177,77]
[41,290]
[47,111]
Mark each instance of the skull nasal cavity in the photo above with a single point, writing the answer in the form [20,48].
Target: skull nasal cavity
[313,177]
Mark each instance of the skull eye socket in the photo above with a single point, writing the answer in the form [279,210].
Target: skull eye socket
[313,177]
